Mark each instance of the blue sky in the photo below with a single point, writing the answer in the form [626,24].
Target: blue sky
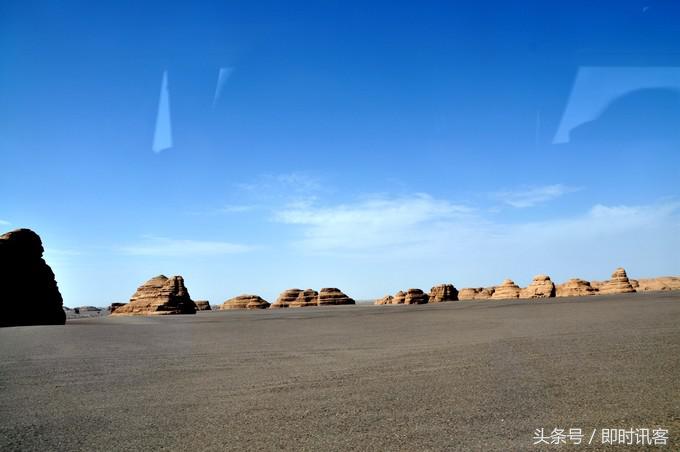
[365,145]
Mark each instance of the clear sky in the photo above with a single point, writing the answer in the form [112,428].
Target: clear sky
[370,146]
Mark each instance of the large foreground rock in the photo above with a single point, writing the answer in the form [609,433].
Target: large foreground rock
[540,287]
[443,292]
[575,287]
[331,296]
[476,293]
[618,283]
[508,289]
[415,296]
[28,290]
[159,296]
[245,301]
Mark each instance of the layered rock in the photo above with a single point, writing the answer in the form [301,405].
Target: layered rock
[115,306]
[333,296]
[245,301]
[202,305]
[618,283]
[30,295]
[387,299]
[662,283]
[307,297]
[415,296]
[507,289]
[443,292]
[399,297]
[159,296]
[540,287]
[476,293]
[575,287]
[285,298]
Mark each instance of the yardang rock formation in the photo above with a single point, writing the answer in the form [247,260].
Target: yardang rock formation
[245,302]
[30,295]
[619,283]
[443,292]
[476,293]
[202,305]
[540,287]
[575,287]
[508,289]
[296,298]
[333,296]
[159,296]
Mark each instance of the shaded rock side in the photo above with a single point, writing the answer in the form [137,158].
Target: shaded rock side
[415,296]
[507,289]
[541,287]
[618,283]
[159,296]
[202,305]
[443,292]
[333,296]
[476,293]
[30,295]
[575,287]
[245,301]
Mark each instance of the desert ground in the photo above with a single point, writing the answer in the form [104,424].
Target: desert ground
[465,375]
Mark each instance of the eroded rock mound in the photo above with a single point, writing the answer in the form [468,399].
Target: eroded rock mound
[662,283]
[476,293]
[387,299]
[618,283]
[415,296]
[540,287]
[575,287]
[115,306]
[245,302]
[307,297]
[286,298]
[332,296]
[159,296]
[202,305]
[30,295]
[508,289]
[399,297]
[443,292]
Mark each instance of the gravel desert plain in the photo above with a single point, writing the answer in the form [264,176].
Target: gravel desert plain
[464,375]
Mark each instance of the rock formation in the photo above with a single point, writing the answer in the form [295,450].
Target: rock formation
[540,287]
[159,296]
[331,295]
[619,283]
[507,289]
[286,298]
[476,293]
[443,292]
[575,288]
[387,299]
[115,306]
[307,297]
[30,295]
[662,283]
[202,305]
[399,297]
[415,296]
[245,302]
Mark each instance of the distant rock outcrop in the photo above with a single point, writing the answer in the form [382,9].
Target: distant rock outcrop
[331,296]
[286,298]
[245,302]
[30,295]
[387,299]
[415,296]
[540,287]
[307,297]
[476,293]
[202,305]
[399,297]
[575,287]
[618,283]
[662,283]
[115,306]
[443,292]
[159,296]
[507,289]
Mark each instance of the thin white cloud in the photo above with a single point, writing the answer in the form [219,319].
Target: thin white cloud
[4,223]
[530,196]
[236,208]
[162,246]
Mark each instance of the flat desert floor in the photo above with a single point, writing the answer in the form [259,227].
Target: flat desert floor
[478,375]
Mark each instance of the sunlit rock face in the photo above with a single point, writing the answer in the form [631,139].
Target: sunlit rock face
[387,299]
[415,296]
[541,287]
[476,293]
[662,283]
[507,289]
[245,302]
[575,287]
[333,296]
[443,292]
[618,283]
[159,296]
[296,298]
[30,295]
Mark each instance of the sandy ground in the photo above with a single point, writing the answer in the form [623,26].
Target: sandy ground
[452,376]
